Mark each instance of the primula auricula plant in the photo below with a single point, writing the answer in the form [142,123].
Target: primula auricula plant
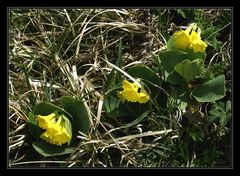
[128,101]
[182,62]
[54,129]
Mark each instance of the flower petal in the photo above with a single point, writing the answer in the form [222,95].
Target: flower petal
[131,94]
[56,131]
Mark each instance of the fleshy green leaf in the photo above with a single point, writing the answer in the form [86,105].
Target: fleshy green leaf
[79,113]
[47,149]
[189,69]
[171,44]
[68,126]
[113,107]
[34,129]
[45,108]
[148,76]
[169,59]
[193,56]
[111,103]
[211,90]
[175,79]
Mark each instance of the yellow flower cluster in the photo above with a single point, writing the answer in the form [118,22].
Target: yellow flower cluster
[190,38]
[56,130]
[131,93]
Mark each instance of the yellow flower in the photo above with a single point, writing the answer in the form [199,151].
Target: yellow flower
[182,39]
[56,130]
[190,38]
[44,121]
[197,44]
[131,93]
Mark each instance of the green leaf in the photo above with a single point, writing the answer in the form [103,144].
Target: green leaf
[136,109]
[47,149]
[32,120]
[33,126]
[45,108]
[171,44]
[68,126]
[117,109]
[189,69]
[79,113]
[114,107]
[211,90]
[221,113]
[111,103]
[191,55]
[148,76]
[175,79]
[169,59]
[180,92]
